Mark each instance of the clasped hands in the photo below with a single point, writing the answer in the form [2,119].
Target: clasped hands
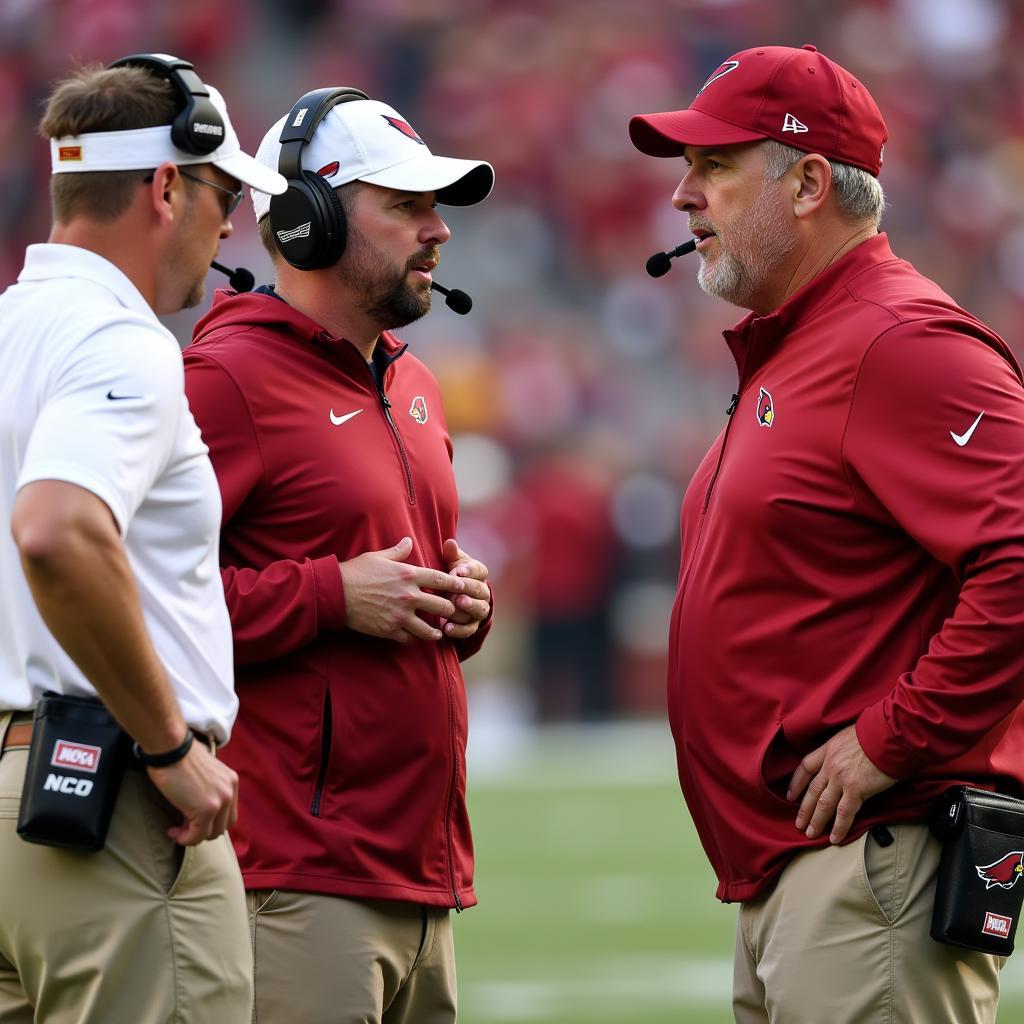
[386,596]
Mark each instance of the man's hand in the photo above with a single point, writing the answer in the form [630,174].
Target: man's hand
[384,596]
[838,778]
[475,604]
[204,789]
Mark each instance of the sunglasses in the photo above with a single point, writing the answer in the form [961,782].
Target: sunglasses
[234,197]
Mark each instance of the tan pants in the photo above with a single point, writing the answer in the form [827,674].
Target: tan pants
[141,932]
[844,938]
[329,960]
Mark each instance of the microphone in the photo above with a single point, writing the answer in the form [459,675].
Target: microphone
[660,263]
[454,298]
[241,279]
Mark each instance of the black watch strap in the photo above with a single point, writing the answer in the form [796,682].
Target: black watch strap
[167,757]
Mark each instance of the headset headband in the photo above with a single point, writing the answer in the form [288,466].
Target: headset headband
[300,125]
[198,128]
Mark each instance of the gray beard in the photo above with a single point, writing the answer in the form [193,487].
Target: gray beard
[765,241]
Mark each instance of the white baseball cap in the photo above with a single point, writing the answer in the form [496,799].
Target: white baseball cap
[143,148]
[366,140]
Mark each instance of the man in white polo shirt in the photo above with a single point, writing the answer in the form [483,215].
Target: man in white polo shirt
[109,580]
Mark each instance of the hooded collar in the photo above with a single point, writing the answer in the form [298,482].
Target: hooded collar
[266,309]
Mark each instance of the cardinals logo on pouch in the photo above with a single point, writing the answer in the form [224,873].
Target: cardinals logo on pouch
[404,128]
[765,409]
[1005,872]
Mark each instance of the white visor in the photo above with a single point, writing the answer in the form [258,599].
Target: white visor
[146,148]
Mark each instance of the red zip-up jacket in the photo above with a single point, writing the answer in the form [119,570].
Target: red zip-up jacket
[852,552]
[350,749]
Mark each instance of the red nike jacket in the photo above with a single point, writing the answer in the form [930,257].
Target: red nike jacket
[852,552]
[350,749]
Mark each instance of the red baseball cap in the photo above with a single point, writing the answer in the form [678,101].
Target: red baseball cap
[798,97]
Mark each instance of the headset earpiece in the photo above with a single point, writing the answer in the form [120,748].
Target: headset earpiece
[308,220]
[198,128]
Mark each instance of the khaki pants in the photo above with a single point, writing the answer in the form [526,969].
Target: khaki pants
[330,960]
[141,932]
[843,938]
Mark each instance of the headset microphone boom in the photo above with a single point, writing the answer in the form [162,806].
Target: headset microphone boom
[661,262]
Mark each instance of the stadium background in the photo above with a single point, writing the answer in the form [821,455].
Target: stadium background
[580,392]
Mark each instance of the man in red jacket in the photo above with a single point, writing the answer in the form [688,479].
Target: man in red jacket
[846,637]
[351,603]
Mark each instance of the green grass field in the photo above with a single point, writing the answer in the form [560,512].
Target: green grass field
[596,902]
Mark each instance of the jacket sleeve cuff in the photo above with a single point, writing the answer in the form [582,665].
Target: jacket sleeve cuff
[329,593]
[882,747]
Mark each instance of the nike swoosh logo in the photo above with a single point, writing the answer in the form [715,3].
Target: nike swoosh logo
[962,439]
[119,398]
[338,420]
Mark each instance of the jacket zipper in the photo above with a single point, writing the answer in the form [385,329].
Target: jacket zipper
[325,754]
[689,569]
[718,464]
[449,842]
[386,405]
[744,376]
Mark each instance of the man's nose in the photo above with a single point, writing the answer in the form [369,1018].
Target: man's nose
[687,197]
[435,230]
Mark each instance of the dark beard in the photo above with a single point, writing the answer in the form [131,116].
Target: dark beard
[387,299]
[396,305]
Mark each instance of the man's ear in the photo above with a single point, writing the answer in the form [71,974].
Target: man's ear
[165,192]
[812,183]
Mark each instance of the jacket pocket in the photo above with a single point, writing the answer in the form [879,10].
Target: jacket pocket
[778,762]
[326,736]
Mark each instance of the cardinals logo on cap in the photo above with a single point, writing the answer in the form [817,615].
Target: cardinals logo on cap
[404,128]
[418,409]
[1005,872]
[765,409]
[729,65]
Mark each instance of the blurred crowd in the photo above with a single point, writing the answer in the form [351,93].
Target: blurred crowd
[580,392]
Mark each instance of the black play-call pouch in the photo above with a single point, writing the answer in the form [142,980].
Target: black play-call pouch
[76,762]
[980,889]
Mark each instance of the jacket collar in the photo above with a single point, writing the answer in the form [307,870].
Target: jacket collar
[765,332]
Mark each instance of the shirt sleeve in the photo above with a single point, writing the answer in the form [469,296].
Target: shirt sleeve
[109,417]
[280,607]
[935,446]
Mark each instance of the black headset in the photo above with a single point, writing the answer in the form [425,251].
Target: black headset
[198,128]
[308,220]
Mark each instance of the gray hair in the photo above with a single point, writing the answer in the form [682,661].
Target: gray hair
[859,195]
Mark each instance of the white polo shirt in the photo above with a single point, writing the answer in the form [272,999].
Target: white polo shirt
[92,393]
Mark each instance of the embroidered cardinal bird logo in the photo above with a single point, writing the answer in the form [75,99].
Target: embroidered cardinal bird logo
[1005,872]
[418,409]
[765,409]
[404,128]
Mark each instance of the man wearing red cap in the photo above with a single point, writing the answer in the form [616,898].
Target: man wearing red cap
[846,638]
